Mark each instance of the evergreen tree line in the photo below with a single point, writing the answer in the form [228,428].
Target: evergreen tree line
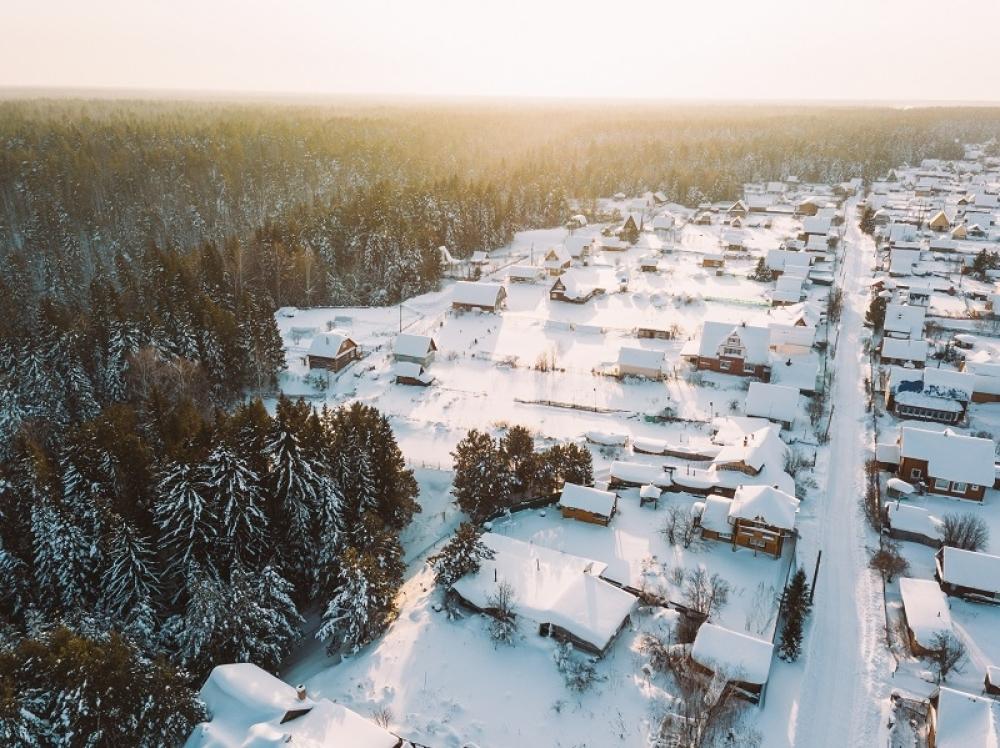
[167,326]
[182,540]
[347,205]
[492,474]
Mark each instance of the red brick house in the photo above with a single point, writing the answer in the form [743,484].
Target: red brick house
[743,350]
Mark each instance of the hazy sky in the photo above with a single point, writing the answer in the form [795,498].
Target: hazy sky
[703,49]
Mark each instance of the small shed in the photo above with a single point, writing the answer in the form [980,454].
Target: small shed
[413,374]
[649,494]
[640,362]
[417,349]
[925,612]
[587,504]
[775,402]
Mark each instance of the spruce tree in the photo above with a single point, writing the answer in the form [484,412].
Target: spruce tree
[797,607]
[130,582]
[482,480]
[462,555]
[363,605]
[186,520]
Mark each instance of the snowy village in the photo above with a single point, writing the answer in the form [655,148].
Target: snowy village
[738,377]
[421,375]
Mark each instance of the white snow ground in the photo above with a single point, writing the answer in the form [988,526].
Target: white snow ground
[841,688]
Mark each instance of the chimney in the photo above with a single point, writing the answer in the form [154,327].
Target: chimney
[300,692]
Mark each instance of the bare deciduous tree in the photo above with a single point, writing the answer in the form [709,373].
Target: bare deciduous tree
[965,531]
[947,654]
[705,594]
[889,562]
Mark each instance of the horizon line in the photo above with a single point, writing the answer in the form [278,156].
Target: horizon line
[10,92]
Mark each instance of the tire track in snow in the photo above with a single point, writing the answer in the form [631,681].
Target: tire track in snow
[847,668]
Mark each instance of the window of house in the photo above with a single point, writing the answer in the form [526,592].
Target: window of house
[725,365]
[916,473]
[973,487]
[959,487]
[940,484]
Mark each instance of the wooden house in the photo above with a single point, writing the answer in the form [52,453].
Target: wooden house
[557,260]
[939,222]
[745,659]
[713,260]
[947,463]
[245,705]
[961,720]
[332,351]
[568,287]
[486,297]
[738,209]
[587,504]
[760,518]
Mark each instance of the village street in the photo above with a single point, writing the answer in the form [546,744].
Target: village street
[846,659]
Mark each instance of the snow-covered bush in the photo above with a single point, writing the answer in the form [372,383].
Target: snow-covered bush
[503,626]
[580,673]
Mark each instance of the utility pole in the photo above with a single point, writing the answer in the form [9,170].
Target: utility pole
[812,588]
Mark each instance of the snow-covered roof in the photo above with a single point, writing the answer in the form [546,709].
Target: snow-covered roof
[760,448]
[765,504]
[641,358]
[607,438]
[639,473]
[949,455]
[909,518]
[576,244]
[816,225]
[942,389]
[784,259]
[772,401]
[557,257]
[417,346]
[247,706]
[754,340]
[802,336]
[649,491]
[649,445]
[904,350]
[965,720]
[973,569]
[900,485]
[788,288]
[926,608]
[818,243]
[574,286]
[550,587]
[477,293]
[741,657]
[905,319]
[587,499]
[411,370]
[715,515]
[524,272]
[328,344]
[663,221]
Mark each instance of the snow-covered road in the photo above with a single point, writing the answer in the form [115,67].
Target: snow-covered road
[847,668]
